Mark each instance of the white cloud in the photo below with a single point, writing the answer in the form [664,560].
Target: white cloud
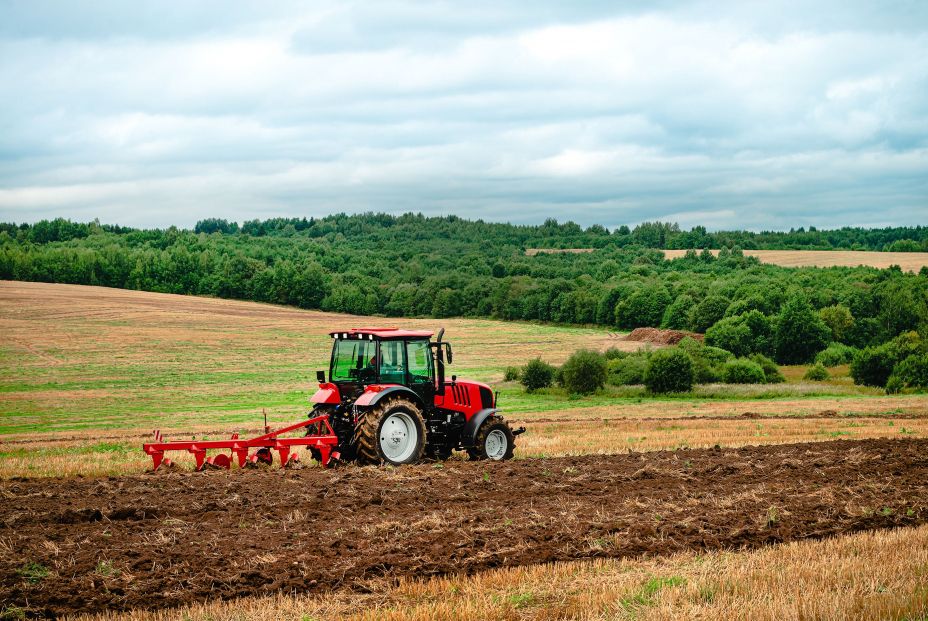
[494,110]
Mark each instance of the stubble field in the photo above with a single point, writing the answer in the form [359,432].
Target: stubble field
[87,373]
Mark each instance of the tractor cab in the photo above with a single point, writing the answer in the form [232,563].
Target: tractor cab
[363,357]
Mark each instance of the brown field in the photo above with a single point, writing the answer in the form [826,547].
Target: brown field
[86,373]
[126,543]
[908,261]
[869,575]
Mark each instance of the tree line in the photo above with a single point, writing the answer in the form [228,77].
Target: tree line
[411,265]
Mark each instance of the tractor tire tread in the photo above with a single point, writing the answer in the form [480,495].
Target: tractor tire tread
[476,453]
[368,425]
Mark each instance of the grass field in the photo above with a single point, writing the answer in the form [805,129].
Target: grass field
[908,261]
[87,373]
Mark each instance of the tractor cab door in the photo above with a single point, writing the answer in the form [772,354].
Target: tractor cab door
[420,371]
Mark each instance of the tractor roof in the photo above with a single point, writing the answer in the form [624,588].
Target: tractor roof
[382,333]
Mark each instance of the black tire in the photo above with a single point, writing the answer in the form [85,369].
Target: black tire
[369,433]
[481,450]
[318,428]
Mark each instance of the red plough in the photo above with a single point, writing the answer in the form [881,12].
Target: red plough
[323,441]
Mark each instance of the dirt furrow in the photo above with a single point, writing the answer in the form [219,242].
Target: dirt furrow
[154,541]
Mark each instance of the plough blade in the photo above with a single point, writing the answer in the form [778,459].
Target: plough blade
[321,443]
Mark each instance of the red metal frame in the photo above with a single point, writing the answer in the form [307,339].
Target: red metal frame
[323,442]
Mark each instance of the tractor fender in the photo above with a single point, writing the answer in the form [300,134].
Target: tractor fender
[375,393]
[327,393]
[472,426]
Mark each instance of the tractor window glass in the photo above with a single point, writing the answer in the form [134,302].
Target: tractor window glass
[420,362]
[392,365]
[354,361]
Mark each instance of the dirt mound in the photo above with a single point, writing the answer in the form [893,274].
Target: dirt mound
[660,337]
[89,545]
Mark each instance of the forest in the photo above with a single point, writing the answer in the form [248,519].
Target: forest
[412,265]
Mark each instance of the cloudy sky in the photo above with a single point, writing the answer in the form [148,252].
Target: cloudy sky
[732,115]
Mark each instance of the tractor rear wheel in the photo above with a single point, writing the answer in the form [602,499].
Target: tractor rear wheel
[494,441]
[391,432]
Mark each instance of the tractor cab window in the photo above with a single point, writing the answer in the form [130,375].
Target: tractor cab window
[420,362]
[392,365]
[354,361]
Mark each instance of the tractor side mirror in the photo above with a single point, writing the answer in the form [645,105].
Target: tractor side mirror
[320,377]
[450,355]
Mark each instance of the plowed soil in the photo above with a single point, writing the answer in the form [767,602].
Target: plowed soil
[159,540]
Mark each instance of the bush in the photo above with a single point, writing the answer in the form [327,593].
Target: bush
[669,370]
[836,354]
[743,371]
[893,385]
[584,372]
[707,360]
[912,372]
[817,372]
[614,353]
[772,373]
[537,374]
[800,332]
[628,371]
[512,374]
[872,366]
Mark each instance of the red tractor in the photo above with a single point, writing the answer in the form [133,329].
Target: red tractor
[388,401]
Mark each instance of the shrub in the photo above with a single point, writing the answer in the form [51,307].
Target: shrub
[707,360]
[836,354]
[743,371]
[584,372]
[872,366]
[512,374]
[912,372]
[537,374]
[669,370]
[707,312]
[704,372]
[800,332]
[817,372]
[614,353]
[628,370]
[893,385]
[772,373]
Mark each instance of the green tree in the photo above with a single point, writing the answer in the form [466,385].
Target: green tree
[707,312]
[839,320]
[676,316]
[800,332]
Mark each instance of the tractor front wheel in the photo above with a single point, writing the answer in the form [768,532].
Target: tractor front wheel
[392,432]
[494,441]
